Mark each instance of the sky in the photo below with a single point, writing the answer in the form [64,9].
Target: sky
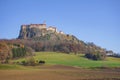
[96,21]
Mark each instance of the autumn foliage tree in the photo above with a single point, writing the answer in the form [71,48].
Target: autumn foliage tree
[5,52]
[13,49]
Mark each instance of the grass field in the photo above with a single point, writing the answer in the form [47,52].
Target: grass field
[74,60]
[61,66]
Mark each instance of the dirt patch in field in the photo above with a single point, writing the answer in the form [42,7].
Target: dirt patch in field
[60,72]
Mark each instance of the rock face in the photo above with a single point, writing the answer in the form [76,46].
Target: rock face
[40,32]
[31,31]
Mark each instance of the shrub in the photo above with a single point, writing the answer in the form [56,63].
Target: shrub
[41,62]
[31,61]
[95,56]
[23,63]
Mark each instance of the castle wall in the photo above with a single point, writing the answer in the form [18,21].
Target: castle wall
[61,32]
[52,29]
[28,32]
[40,26]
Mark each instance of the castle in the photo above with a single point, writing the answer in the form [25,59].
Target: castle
[39,26]
[42,27]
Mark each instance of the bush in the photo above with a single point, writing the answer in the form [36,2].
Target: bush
[23,63]
[41,62]
[95,56]
[31,61]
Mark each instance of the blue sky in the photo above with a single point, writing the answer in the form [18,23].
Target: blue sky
[95,21]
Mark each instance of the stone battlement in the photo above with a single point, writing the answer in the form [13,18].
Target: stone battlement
[41,27]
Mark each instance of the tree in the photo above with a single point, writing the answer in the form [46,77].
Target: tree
[29,51]
[5,52]
[96,55]
[19,52]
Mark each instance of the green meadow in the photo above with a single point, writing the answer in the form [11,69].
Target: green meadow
[56,58]
[61,66]
[12,67]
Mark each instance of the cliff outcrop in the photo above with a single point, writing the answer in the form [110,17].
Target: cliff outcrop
[40,32]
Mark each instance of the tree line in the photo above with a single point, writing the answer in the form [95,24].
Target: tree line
[90,49]
[10,50]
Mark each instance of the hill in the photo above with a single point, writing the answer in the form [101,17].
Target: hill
[40,32]
[39,37]
[42,38]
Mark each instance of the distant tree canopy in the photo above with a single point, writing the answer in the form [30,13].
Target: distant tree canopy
[21,48]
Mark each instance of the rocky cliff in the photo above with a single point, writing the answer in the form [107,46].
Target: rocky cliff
[40,32]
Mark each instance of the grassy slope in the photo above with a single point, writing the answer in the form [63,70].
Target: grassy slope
[75,60]
[11,66]
[17,72]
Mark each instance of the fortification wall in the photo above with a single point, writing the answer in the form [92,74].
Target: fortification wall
[39,26]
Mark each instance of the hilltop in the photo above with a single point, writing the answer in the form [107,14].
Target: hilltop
[43,38]
[22,57]
[39,37]
[40,32]
[36,30]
